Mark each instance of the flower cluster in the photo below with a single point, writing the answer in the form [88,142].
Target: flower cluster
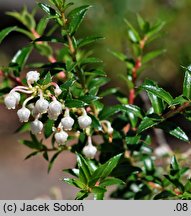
[46,103]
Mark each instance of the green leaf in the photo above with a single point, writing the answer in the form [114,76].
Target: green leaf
[5,32]
[144,25]
[187,85]
[43,49]
[109,111]
[49,10]
[75,17]
[157,103]
[21,57]
[166,194]
[47,79]
[84,168]
[148,122]
[42,25]
[32,154]
[98,192]
[81,195]
[88,40]
[155,29]
[88,98]
[149,166]
[74,103]
[48,128]
[74,182]
[174,130]
[175,182]
[122,57]
[111,181]
[91,60]
[53,160]
[151,87]
[151,55]
[178,101]
[174,164]
[105,169]
[132,32]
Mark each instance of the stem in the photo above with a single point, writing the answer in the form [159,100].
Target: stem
[73,54]
[138,64]
[177,110]
[27,100]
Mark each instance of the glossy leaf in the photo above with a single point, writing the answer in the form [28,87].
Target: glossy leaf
[75,17]
[74,182]
[98,192]
[5,32]
[111,181]
[174,130]
[151,87]
[21,57]
[84,168]
[107,112]
[81,195]
[148,122]
[104,170]
[187,85]
[47,79]
[157,103]
[49,10]
[74,103]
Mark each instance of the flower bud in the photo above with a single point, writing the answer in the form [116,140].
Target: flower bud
[55,108]
[84,121]
[23,114]
[57,91]
[32,76]
[10,101]
[61,137]
[36,126]
[41,105]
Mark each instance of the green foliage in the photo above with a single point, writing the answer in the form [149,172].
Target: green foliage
[125,130]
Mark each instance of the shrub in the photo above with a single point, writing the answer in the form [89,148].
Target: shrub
[63,99]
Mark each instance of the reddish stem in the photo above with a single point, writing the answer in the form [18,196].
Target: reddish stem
[134,76]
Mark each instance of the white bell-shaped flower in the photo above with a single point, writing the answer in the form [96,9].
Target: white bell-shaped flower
[89,150]
[42,105]
[16,95]
[12,99]
[57,91]
[55,108]
[32,76]
[36,126]
[61,137]
[67,122]
[84,121]
[23,114]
